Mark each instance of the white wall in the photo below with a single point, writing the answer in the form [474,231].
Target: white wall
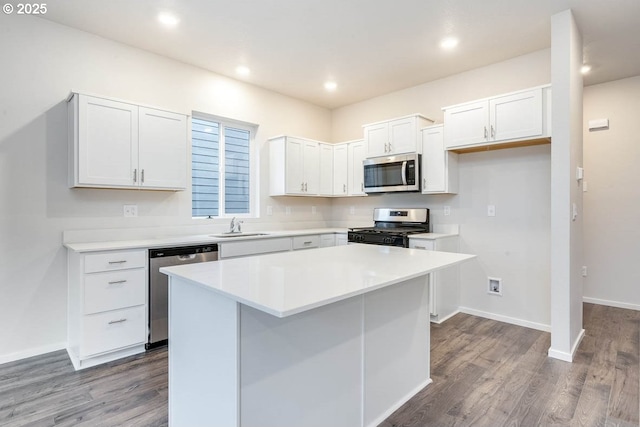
[41,63]
[612,200]
[513,245]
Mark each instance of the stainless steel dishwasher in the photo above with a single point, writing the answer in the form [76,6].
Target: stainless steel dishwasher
[159,284]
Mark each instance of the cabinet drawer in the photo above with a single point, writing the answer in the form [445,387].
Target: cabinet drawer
[114,289]
[306,242]
[113,330]
[120,260]
[429,245]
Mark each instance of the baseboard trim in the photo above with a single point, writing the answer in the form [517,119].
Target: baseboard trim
[37,351]
[506,319]
[567,357]
[399,403]
[444,319]
[609,303]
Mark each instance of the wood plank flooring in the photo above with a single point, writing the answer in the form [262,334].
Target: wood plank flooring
[485,373]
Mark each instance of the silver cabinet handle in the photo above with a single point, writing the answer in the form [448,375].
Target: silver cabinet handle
[135,175]
[305,187]
[485,132]
[344,188]
[493,132]
[362,187]
[424,182]
[302,186]
[389,146]
[118,262]
[142,176]
[117,321]
[117,282]
[307,243]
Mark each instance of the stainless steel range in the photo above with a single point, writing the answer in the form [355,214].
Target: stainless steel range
[392,227]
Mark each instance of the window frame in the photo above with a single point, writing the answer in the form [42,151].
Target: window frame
[254,184]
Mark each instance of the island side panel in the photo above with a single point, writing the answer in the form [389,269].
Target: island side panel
[396,347]
[203,357]
[302,370]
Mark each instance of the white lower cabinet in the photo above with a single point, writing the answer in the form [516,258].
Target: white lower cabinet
[444,285]
[305,242]
[253,247]
[327,240]
[107,306]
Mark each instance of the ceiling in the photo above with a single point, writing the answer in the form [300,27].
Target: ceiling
[368,47]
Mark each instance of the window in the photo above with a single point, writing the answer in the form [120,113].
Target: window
[221,166]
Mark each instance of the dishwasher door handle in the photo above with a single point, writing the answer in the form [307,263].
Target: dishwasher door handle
[186,257]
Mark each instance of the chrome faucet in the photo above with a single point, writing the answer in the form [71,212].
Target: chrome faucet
[235,226]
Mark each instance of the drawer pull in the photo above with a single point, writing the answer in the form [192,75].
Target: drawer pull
[420,247]
[118,262]
[307,243]
[117,321]
[117,282]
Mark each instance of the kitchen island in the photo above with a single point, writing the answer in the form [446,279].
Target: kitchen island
[335,336]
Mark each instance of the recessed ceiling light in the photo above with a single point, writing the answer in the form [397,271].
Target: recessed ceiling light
[449,43]
[242,70]
[585,69]
[168,20]
[330,86]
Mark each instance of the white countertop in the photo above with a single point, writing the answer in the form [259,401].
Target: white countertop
[201,239]
[431,236]
[287,283]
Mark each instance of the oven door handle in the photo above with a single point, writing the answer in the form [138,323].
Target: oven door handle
[404,173]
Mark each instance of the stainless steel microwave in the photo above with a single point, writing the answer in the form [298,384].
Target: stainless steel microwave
[392,173]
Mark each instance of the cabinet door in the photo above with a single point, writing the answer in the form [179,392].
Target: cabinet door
[433,161]
[311,167]
[357,154]
[294,183]
[516,116]
[403,136]
[466,124]
[376,138]
[107,142]
[326,170]
[340,170]
[162,149]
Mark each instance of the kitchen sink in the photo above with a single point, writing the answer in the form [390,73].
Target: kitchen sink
[238,234]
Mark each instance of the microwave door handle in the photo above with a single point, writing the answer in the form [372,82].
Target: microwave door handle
[404,173]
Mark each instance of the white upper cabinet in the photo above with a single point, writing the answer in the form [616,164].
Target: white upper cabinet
[326,169]
[356,155]
[397,136]
[115,144]
[439,167]
[295,166]
[162,146]
[341,170]
[518,116]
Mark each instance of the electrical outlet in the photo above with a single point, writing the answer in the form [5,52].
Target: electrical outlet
[130,211]
[447,210]
[584,271]
[491,210]
[494,286]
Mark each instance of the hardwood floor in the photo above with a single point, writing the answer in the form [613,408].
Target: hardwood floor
[485,373]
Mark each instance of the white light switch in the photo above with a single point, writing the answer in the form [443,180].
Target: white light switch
[491,210]
[447,210]
[574,212]
[579,173]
